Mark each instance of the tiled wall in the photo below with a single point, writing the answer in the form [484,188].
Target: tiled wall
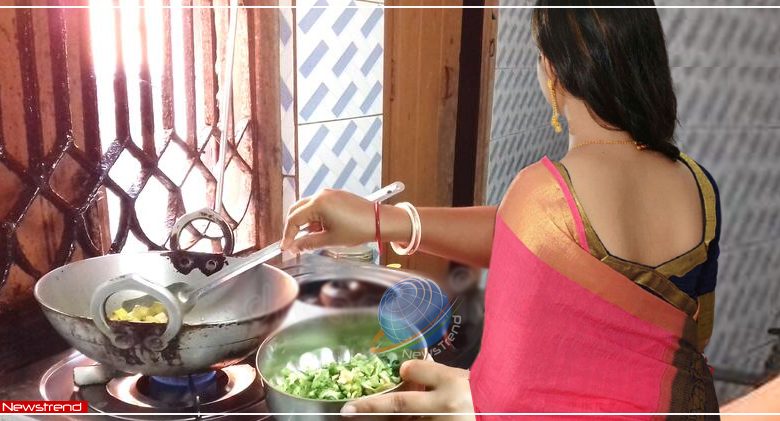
[520,130]
[339,54]
[726,69]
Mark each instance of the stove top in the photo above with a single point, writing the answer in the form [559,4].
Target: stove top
[327,285]
[229,391]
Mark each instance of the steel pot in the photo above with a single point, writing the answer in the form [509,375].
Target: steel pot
[223,328]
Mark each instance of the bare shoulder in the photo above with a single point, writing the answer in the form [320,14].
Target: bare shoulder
[530,186]
[524,183]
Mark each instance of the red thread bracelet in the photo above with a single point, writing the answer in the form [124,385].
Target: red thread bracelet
[378,232]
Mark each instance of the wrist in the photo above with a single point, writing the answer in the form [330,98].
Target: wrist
[395,224]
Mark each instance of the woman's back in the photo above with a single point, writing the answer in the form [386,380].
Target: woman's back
[644,207]
[565,332]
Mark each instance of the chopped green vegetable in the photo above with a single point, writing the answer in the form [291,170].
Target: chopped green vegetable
[360,376]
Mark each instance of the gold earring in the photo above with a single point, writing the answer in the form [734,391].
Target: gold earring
[556,124]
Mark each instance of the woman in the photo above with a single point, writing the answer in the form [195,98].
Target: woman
[602,265]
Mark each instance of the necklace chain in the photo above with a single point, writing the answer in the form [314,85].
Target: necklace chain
[610,142]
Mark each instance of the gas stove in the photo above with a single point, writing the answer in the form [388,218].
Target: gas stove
[233,389]
[327,285]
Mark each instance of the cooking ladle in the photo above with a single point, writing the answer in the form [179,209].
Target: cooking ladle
[212,215]
[180,297]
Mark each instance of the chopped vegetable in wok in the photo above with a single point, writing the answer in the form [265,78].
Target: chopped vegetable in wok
[141,314]
[360,376]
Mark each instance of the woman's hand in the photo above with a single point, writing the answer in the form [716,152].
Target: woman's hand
[761,400]
[447,391]
[340,218]
[335,217]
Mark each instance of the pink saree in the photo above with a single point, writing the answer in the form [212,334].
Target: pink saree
[565,332]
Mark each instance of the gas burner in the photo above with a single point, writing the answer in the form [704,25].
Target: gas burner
[181,391]
[231,390]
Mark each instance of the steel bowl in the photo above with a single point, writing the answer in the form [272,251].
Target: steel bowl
[316,342]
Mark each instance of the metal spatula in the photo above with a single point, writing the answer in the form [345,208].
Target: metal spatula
[189,297]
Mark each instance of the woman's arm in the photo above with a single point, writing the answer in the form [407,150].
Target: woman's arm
[339,218]
[464,235]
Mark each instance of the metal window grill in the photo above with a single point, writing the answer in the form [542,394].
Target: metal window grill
[72,174]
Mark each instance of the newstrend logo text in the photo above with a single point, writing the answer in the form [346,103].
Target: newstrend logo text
[43,407]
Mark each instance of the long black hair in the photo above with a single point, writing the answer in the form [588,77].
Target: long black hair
[615,60]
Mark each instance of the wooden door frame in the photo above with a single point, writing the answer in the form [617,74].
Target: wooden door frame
[485,113]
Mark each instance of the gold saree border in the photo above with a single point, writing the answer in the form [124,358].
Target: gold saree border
[597,247]
[705,319]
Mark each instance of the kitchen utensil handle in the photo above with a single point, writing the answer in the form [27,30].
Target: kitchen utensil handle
[208,215]
[136,282]
[269,252]
[380,195]
[386,192]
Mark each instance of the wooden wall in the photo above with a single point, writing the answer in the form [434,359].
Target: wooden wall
[438,98]
[422,53]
